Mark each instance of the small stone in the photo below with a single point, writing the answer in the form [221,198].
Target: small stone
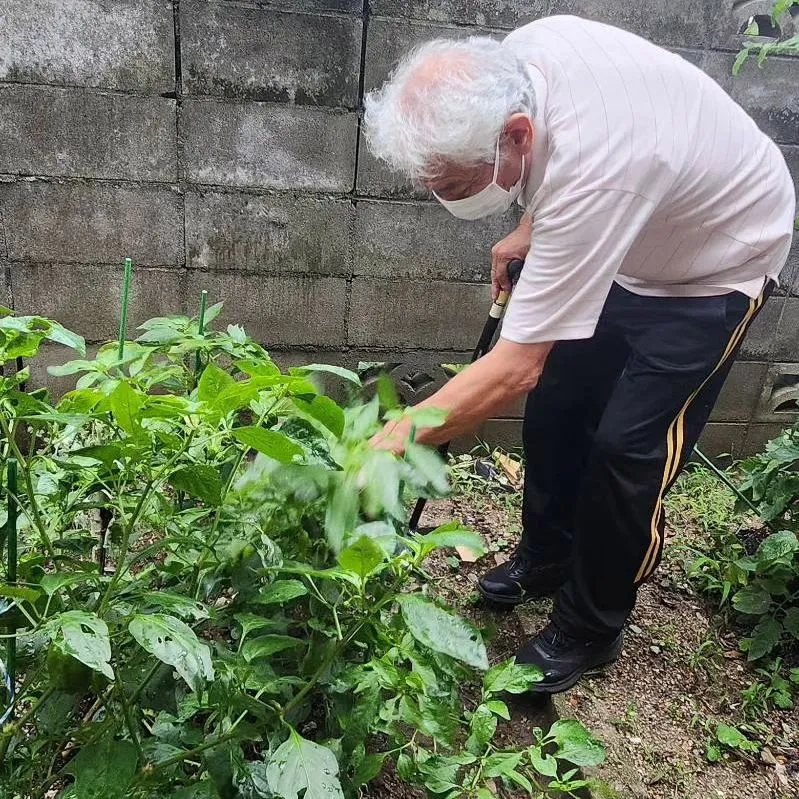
[655,650]
[635,740]
[635,629]
[767,757]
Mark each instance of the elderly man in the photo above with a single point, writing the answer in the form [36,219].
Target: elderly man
[656,220]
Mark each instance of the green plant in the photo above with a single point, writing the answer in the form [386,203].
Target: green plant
[773,690]
[217,595]
[781,12]
[727,738]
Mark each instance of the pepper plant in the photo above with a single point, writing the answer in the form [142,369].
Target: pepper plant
[217,595]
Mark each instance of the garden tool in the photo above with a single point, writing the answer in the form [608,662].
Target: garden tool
[483,346]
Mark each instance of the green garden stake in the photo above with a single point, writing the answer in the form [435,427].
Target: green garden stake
[123,319]
[11,527]
[200,327]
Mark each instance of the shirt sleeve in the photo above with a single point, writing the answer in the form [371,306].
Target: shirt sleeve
[579,242]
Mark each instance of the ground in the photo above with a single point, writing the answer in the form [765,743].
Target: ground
[680,675]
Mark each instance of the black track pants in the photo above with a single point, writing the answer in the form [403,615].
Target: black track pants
[607,431]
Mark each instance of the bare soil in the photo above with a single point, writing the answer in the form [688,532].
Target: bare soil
[658,707]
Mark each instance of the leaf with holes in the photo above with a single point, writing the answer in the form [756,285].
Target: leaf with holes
[174,643]
[301,767]
[85,637]
[442,631]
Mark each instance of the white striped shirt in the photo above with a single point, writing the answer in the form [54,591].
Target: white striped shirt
[644,172]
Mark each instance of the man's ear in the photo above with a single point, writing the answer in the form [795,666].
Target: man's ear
[519,133]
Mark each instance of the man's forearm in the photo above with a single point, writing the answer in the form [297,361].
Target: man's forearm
[487,386]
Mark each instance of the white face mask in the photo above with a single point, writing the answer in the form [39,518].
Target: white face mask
[493,199]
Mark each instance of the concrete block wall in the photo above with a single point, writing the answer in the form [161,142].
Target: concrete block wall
[217,143]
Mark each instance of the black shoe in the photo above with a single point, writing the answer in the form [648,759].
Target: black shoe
[521,579]
[564,658]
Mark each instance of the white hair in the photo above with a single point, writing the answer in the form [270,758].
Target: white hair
[447,101]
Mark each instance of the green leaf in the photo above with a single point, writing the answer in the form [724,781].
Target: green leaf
[51,583]
[103,770]
[299,766]
[71,368]
[484,793]
[442,631]
[712,753]
[341,514]
[177,604]
[268,442]
[213,381]
[734,738]
[60,335]
[85,637]
[323,410]
[280,592]
[429,467]
[174,643]
[765,637]
[542,763]
[499,708]
[387,392]
[513,677]
[501,764]
[339,371]
[778,546]
[125,404]
[576,744]
[198,481]
[19,592]
[453,535]
[362,557]
[791,622]
[482,727]
[268,645]
[753,600]
[368,769]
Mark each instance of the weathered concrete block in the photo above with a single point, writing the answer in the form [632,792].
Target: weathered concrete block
[504,14]
[5,288]
[387,40]
[375,179]
[423,314]
[790,273]
[723,438]
[792,159]
[424,241]
[273,146]
[759,341]
[769,95]
[786,345]
[127,44]
[266,55]
[741,392]
[779,396]
[344,6]
[760,434]
[98,223]
[85,133]
[87,299]
[293,311]
[506,434]
[726,31]
[54,355]
[268,234]
[677,23]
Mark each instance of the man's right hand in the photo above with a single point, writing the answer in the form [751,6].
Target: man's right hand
[514,245]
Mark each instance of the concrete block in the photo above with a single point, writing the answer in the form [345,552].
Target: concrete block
[504,434]
[126,44]
[693,56]
[677,23]
[769,95]
[271,146]
[417,314]
[424,241]
[721,439]
[786,345]
[789,277]
[464,12]
[375,179]
[275,233]
[96,223]
[732,17]
[792,159]
[86,133]
[387,40]
[87,299]
[266,55]
[779,396]
[5,288]
[759,341]
[344,6]
[293,311]
[741,392]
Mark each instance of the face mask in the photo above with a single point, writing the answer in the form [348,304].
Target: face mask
[493,199]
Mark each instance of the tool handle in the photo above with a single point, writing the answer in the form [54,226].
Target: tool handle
[514,273]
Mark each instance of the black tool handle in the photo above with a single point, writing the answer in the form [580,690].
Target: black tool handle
[483,345]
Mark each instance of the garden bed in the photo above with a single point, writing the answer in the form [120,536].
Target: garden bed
[658,708]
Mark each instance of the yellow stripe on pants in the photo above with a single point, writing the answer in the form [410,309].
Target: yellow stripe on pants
[675,439]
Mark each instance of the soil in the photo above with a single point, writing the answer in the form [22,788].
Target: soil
[680,675]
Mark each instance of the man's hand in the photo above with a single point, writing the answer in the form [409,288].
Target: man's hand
[514,245]
[393,437]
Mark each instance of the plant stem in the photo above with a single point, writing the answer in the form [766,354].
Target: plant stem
[130,721]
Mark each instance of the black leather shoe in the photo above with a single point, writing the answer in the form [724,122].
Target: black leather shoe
[564,658]
[521,579]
